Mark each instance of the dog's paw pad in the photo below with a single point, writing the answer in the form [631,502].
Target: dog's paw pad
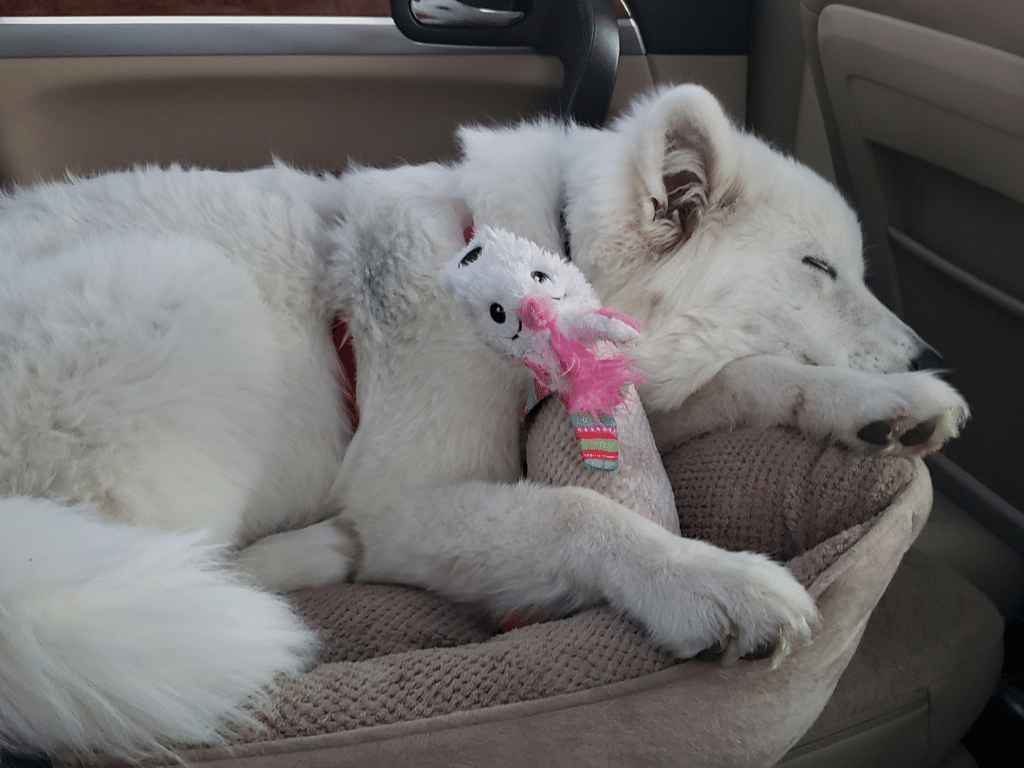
[765,650]
[877,433]
[919,434]
[887,433]
[720,652]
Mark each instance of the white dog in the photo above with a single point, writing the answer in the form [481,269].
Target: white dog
[171,398]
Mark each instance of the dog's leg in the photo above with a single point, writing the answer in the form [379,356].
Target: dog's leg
[908,414]
[541,550]
[324,553]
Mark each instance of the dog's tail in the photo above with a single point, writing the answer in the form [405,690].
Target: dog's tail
[123,640]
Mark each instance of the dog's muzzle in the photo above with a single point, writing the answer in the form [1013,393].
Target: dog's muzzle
[929,360]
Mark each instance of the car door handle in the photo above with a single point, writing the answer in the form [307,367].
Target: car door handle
[582,34]
[442,13]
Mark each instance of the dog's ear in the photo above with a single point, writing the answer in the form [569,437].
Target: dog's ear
[685,150]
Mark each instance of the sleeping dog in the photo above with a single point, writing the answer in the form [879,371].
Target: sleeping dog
[174,430]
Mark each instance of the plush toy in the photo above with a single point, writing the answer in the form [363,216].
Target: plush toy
[531,304]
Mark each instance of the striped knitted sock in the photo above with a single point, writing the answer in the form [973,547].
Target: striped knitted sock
[599,440]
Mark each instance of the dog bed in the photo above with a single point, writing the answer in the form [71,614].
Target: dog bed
[407,678]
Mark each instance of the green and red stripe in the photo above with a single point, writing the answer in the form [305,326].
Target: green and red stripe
[598,440]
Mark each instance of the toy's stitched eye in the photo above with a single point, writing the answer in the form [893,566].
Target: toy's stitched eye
[539,276]
[497,313]
[470,257]
[821,265]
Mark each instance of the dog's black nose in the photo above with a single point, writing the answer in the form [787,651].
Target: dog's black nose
[928,360]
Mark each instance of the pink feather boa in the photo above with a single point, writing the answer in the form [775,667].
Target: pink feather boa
[596,373]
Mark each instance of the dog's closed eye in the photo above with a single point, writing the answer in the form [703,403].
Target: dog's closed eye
[821,265]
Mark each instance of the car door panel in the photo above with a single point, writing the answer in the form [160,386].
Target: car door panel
[97,94]
[235,112]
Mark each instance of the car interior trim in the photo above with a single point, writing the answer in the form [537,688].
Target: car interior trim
[61,37]
[992,294]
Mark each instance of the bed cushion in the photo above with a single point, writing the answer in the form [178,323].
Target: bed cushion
[407,678]
[641,483]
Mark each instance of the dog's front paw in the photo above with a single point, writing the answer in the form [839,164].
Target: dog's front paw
[740,604]
[914,415]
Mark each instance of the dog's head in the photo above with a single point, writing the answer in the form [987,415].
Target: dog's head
[721,247]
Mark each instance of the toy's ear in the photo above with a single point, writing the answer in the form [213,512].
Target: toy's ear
[684,154]
[603,325]
[456,274]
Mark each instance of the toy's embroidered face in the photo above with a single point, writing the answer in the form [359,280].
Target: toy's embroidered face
[492,275]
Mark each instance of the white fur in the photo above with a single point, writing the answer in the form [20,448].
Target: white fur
[166,362]
[118,638]
[159,367]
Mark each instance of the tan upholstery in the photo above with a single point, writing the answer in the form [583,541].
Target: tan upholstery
[552,457]
[927,664]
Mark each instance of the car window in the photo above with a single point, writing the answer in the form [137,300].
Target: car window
[196,7]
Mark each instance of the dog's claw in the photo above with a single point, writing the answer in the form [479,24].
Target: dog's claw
[919,434]
[877,433]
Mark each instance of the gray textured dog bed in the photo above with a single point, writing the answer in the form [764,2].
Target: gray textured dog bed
[407,678]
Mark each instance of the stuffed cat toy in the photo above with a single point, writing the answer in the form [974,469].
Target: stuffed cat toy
[531,304]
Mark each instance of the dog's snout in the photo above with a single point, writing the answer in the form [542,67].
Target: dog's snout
[928,360]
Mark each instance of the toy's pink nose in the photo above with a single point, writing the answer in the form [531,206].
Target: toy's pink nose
[538,311]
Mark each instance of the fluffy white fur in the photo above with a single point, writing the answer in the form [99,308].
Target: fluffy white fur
[116,637]
[166,362]
[147,379]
